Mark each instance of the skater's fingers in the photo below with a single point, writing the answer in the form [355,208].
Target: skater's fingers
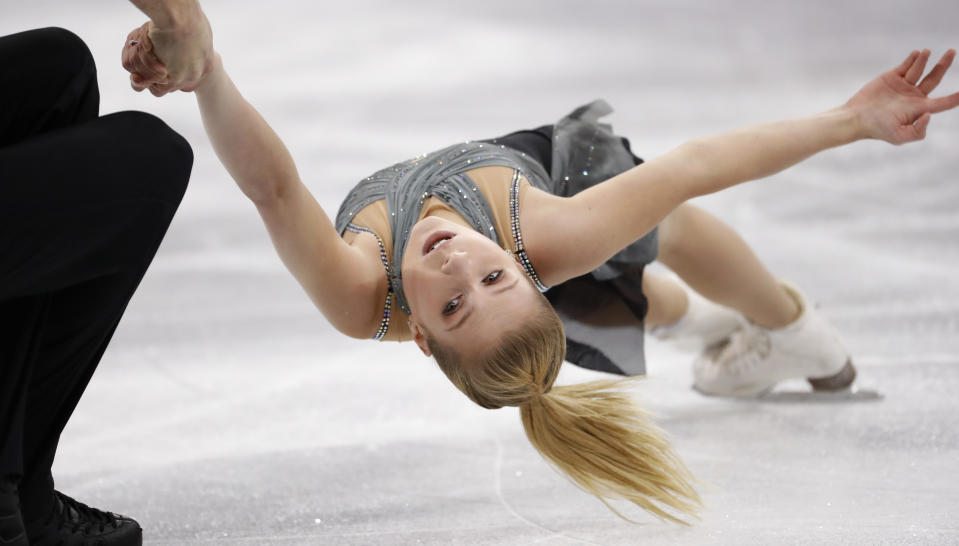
[904,67]
[917,68]
[941,104]
[929,83]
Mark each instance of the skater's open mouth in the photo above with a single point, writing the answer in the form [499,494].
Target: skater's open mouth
[436,240]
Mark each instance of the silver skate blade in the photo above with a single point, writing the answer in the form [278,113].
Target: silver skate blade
[852,394]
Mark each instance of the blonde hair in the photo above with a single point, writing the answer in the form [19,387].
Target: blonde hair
[593,432]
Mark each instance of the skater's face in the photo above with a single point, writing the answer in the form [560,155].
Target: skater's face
[462,287]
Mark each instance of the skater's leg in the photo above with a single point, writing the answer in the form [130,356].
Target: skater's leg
[49,83]
[685,318]
[59,184]
[667,300]
[78,326]
[83,208]
[19,329]
[74,219]
[784,338]
[716,262]
[73,251]
[84,203]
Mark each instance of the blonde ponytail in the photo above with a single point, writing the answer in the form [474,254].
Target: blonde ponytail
[592,432]
[596,435]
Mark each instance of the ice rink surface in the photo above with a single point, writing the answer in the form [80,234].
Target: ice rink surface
[228,411]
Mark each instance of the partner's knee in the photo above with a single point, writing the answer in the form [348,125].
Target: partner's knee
[158,156]
[55,50]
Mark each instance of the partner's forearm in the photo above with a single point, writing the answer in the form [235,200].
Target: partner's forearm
[712,163]
[168,13]
[247,146]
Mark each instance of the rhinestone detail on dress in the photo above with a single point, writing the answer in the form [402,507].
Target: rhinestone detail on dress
[517,236]
[385,322]
[441,174]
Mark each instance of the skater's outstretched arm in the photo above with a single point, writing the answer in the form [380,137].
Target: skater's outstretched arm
[339,278]
[602,220]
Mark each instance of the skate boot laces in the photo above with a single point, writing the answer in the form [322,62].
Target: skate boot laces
[77,517]
[754,358]
[72,523]
[747,348]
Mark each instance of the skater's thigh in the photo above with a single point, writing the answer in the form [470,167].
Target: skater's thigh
[87,200]
[122,156]
[665,297]
[680,229]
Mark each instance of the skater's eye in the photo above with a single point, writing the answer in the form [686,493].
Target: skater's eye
[452,305]
[493,277]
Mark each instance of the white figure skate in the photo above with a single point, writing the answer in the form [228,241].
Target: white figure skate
[754,359]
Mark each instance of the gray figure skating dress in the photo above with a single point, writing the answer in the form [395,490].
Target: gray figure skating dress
[575,153]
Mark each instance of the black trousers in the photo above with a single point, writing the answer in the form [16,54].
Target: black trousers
[84,203]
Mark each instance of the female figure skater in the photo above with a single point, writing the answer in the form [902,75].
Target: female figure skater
[454,249]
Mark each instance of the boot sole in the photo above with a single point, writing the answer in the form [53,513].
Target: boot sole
[836,382]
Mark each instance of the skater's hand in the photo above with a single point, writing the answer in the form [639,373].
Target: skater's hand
[897,109]
[169,59]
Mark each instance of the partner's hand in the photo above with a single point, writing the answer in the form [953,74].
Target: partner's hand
[894,108]
[169,59]
[139,59]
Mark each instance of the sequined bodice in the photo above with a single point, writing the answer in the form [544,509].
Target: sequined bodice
[405,188]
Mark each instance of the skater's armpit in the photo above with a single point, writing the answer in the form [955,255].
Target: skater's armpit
[340,279]
[570,236]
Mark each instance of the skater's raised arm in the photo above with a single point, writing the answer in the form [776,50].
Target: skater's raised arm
[338,277]
[605,218]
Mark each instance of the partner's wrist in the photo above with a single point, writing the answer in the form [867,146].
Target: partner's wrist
[212,79]
[176,15]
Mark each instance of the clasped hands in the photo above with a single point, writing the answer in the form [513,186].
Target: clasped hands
[169,59]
